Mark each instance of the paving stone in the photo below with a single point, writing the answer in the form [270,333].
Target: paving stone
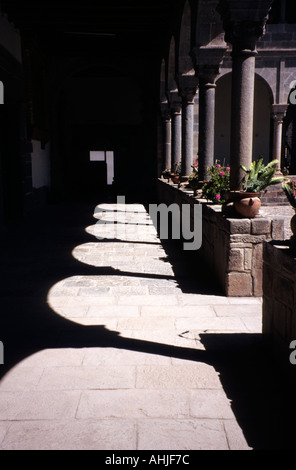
[97,356]
[89,292]
[117,311]
[213,324]
[133,404]
[160,299]
[46,404]
[53,357]
[239,310]
[145,323]
[21,378]
[108,434]
[87,378]
[199,299]
[4,426]
[185,376]
[191,434]
[210,404]
[177,311]
[235,438]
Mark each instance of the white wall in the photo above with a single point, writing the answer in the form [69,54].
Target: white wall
[40,165]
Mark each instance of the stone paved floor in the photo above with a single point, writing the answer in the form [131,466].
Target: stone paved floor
[110,342]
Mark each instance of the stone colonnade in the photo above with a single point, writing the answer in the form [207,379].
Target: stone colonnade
[241,32]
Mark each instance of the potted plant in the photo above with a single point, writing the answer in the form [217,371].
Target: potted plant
[258,177]
[166,174]
[175,175]
[219,180]
[289,189]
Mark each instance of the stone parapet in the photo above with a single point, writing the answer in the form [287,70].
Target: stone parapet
[232,246]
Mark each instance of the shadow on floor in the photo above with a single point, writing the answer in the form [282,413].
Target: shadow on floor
[36,254]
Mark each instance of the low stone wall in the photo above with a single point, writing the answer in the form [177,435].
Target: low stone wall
[231,246]
[274,195]
[279,297]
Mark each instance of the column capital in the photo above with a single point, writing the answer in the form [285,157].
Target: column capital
[243,22]
[187,85]
[278,111]
[165,110]
[175,101]
[207,62]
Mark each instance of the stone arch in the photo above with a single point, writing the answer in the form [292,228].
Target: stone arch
[265,83]
[162,91]
[263,100]
[171,73]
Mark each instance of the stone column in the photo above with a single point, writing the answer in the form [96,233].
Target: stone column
[242,107]
[207,62]
[206,125]
[243,23]
[176,113]
[187,90]
[166,123]
[278,114]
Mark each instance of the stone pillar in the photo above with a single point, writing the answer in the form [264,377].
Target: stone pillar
[176,113]
[187,90]
[166,123]
[206,124]
[242,107]
[243,23]
[207,62]
[278,114]
[187,135]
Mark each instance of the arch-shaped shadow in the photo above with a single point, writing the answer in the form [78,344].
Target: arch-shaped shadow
[37,254]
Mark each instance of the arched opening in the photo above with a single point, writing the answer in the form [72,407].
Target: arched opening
[261,127]
[171,77]
[184,60]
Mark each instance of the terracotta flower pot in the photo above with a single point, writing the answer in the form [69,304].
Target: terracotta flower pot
[175,178]
[247,204]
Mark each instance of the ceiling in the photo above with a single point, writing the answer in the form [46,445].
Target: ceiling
[117,27]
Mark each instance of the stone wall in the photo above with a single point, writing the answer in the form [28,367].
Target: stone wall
[279,297]
[232,246]
[275,195]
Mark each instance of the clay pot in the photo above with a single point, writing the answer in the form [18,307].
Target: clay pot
[175,178]
[247,204]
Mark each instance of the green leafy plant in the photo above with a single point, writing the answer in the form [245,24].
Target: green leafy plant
[289,189]
[166,174]
[259,176]
[177,168]
[218,184]
[193,179]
